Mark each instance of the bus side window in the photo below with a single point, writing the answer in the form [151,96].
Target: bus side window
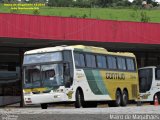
[76,59]
[90,61]
[130,64]
[79,60]
[111,62]
[101,61]
[121,63]
[157,74]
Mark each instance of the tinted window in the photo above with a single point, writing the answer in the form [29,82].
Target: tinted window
[44,57]
[67,56]
[121,63]
[90,61]
[101,61]
[157,74]
[145,79]
[79,60]
[111,61]
[130,64]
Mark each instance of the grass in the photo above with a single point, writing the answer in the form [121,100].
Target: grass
[97,13]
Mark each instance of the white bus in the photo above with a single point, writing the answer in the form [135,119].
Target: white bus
[81,74]
[149,83]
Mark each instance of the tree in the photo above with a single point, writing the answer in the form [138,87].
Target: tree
[52,3]
[60,3]
[137,2]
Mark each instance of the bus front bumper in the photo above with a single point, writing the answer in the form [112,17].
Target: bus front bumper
[45,98]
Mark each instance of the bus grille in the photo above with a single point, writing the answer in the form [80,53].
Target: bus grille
[134,91]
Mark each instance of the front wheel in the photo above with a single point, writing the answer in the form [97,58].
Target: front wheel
[79,99]
[44,106]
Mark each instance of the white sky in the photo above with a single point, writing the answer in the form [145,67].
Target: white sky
[156,0]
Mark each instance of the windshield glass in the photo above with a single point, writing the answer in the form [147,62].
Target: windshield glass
[32,76]
[50,75]
[145,79]
[42,58]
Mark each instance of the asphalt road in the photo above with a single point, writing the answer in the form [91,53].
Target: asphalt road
[148,112]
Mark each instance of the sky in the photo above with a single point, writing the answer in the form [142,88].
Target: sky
[156,0]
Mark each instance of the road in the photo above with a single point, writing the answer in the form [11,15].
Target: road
[71,113]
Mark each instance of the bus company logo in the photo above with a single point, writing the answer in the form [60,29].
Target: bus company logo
[116,76]
[69,94]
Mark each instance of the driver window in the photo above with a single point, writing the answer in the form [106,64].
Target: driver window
[157,74]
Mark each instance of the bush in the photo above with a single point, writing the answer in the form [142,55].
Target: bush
[14,11]
[36,12]
[144,17]
[73,16]
[84,16]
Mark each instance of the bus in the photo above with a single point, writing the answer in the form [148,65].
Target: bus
[149,83]
[83,75]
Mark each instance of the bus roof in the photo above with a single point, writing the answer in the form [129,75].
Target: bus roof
[147,67]
[80,48]
[100,50]
[49,49]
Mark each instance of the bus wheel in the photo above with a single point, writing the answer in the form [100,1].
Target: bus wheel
[44,106]
[79,99]
[124,98]
[117,102]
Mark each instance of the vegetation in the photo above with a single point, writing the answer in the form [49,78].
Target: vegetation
[97,9]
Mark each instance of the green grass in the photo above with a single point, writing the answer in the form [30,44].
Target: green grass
[97,13]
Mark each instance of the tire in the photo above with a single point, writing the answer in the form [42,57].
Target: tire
[117,102]
[44,106]
[79,99]
[124,100]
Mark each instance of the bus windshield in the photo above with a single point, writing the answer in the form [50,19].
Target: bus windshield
[145,79]
[50,75]
[42,58]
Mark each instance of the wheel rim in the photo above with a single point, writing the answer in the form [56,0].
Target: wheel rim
[79,100]
[125,98]
[118,99]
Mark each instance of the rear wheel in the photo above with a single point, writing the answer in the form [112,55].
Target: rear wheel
[44,106]
[124,98]
[79,99]
[117,102]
